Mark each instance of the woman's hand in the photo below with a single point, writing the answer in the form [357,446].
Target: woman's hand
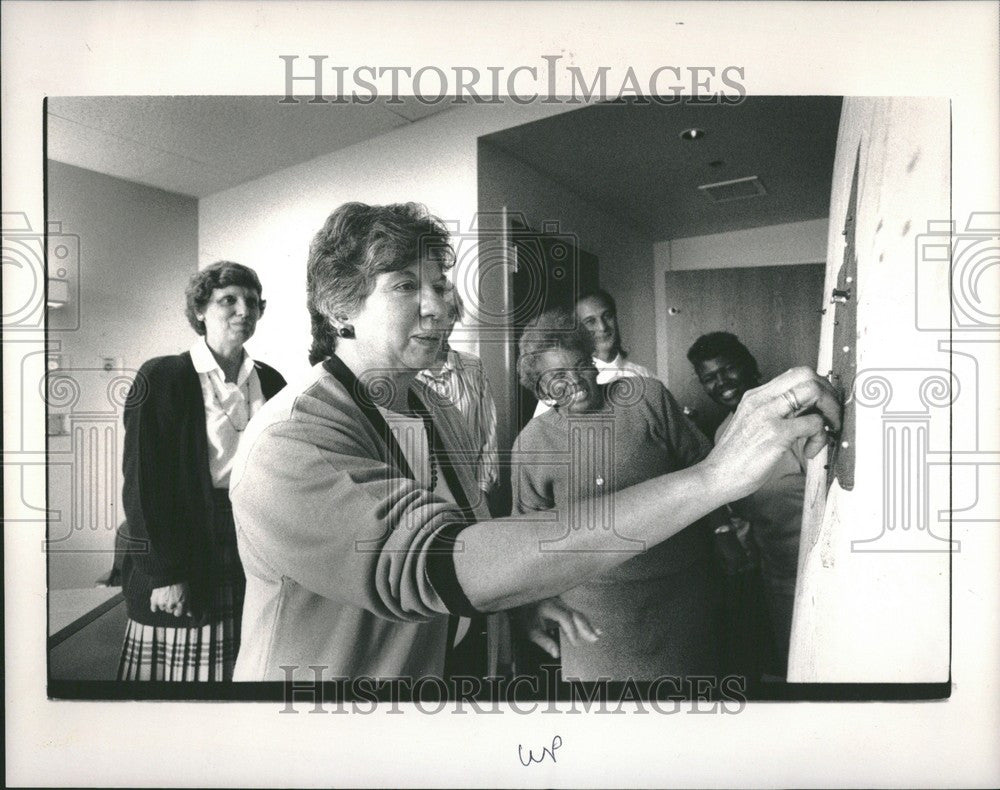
[174,598]
[797,404]
[536,619]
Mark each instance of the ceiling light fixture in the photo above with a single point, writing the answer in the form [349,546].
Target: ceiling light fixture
[692,134]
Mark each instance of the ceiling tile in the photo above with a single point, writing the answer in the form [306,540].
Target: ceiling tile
[197,145]
[628,160]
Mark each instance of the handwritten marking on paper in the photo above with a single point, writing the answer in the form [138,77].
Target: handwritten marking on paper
[547,751]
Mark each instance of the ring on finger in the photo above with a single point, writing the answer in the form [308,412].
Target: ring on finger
[791,400]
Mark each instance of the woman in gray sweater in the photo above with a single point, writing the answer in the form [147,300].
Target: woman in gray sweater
[656,610]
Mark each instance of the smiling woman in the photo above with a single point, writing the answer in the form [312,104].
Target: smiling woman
[183,419]
[597,314]
[656,609]
[725,368]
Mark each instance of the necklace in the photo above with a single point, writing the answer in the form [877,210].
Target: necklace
[218,402]
[431,450]
[418,408]
[230,420]
[434,469]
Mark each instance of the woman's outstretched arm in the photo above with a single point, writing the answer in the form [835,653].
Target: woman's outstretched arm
[509,562]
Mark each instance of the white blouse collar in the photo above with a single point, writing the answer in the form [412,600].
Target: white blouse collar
[204,362]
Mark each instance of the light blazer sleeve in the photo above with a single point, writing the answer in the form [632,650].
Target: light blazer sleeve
[317,500]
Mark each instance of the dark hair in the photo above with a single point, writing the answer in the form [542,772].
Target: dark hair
[722,344]
[456,312]
[603,296]
[456,305]
[220,274]
[551,331]
[357,243]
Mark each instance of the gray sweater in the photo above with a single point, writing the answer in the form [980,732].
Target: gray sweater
[347,559]
[655,608]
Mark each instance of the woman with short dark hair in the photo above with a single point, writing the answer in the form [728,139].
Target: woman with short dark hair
[725,367]
[354,492]
[182,579]
[728,371]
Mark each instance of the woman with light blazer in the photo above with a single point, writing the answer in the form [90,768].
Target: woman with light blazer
[353,492]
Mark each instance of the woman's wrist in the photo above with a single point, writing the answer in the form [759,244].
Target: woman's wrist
[719,485]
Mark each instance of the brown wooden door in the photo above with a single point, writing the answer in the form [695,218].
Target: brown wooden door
[774,310]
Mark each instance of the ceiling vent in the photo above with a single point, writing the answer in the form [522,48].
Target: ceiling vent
[737,189]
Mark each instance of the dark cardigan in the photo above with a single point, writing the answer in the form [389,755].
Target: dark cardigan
[168,492]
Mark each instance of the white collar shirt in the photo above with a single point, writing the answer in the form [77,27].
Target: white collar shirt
[228,407]
[461,381]
[618,368]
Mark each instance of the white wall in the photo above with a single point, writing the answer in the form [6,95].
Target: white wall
[268,223]
[872,600]
[137,249]
[624,254]
[772,245]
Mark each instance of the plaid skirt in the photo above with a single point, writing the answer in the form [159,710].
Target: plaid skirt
[203,653]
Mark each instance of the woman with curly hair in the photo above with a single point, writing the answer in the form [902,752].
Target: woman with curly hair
[357,510]
[656,610]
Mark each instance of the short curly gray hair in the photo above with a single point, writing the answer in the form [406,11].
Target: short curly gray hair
[553,330]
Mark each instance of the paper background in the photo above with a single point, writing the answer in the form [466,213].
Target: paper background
[943,49]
